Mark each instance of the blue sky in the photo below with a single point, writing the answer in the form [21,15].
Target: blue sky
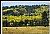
[23,3]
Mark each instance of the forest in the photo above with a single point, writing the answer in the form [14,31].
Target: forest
[25,15]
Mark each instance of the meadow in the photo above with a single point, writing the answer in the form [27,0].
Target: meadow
[26,30]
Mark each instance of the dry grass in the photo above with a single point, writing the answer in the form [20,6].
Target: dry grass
[26,30]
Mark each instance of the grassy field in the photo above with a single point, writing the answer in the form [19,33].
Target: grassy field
[26,30]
